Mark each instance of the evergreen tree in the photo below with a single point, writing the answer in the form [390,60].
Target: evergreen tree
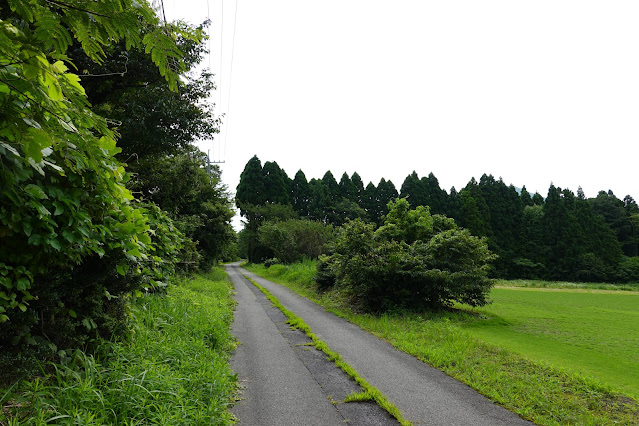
[631,248]
[359,187]
[276,184]
[558,230]
[532,250]
[300,194]
[469,215]
[483,226]
[413,190]
[599,250]
[369,202]
[251,188]
[436,198]
[332,186]
[347,189]
[452,209]
[613,210]
[537,199]
[320,200]
[385,193]
[526,199]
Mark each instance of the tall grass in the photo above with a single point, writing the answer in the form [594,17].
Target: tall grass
[173,372]
[537,391]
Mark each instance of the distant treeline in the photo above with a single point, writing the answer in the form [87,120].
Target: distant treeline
[564,236]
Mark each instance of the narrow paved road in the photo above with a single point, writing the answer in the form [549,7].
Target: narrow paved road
[285,380]
[423,394]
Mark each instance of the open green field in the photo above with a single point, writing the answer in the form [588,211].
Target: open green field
[592,332]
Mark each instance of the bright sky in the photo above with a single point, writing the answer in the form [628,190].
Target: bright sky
[530,91]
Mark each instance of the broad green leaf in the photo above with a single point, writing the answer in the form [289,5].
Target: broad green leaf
[74,81]
[54,90]
[59,67]
[23,284]
[55,244]
[35,239]
[36,192]
[135,252]
[144,238]
[68,235]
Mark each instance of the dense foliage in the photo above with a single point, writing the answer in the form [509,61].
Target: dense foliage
[295,239]
[561,236]
[414,260]
[157,128]
[73,241]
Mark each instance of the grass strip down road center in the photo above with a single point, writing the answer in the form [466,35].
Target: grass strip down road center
[370,392]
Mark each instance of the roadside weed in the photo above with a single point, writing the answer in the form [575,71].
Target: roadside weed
[174,371]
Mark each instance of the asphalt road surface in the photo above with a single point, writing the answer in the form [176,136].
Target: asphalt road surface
[281,388]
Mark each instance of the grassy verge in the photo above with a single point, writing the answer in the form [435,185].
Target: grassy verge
[370,392]
[174,371]
[535,390]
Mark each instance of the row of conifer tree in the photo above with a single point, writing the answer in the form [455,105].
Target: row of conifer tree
[562,236]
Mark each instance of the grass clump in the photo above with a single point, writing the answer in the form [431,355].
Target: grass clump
[359,397]
[538,391]
[173,371]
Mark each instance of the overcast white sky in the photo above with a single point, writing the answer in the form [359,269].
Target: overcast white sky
[530,91]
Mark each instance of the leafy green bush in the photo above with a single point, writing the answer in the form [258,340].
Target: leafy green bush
[72,242]
[294,239]
[413,261]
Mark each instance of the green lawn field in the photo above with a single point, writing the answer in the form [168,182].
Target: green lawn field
[592,332]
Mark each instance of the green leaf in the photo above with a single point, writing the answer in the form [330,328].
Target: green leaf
[68,235]
[27,228]
[59,208]
[122,269]
[36,192]
[87,323]
[72,313]
[135,252]
[55,244]
[10,149]
[35,239]
[23,284]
